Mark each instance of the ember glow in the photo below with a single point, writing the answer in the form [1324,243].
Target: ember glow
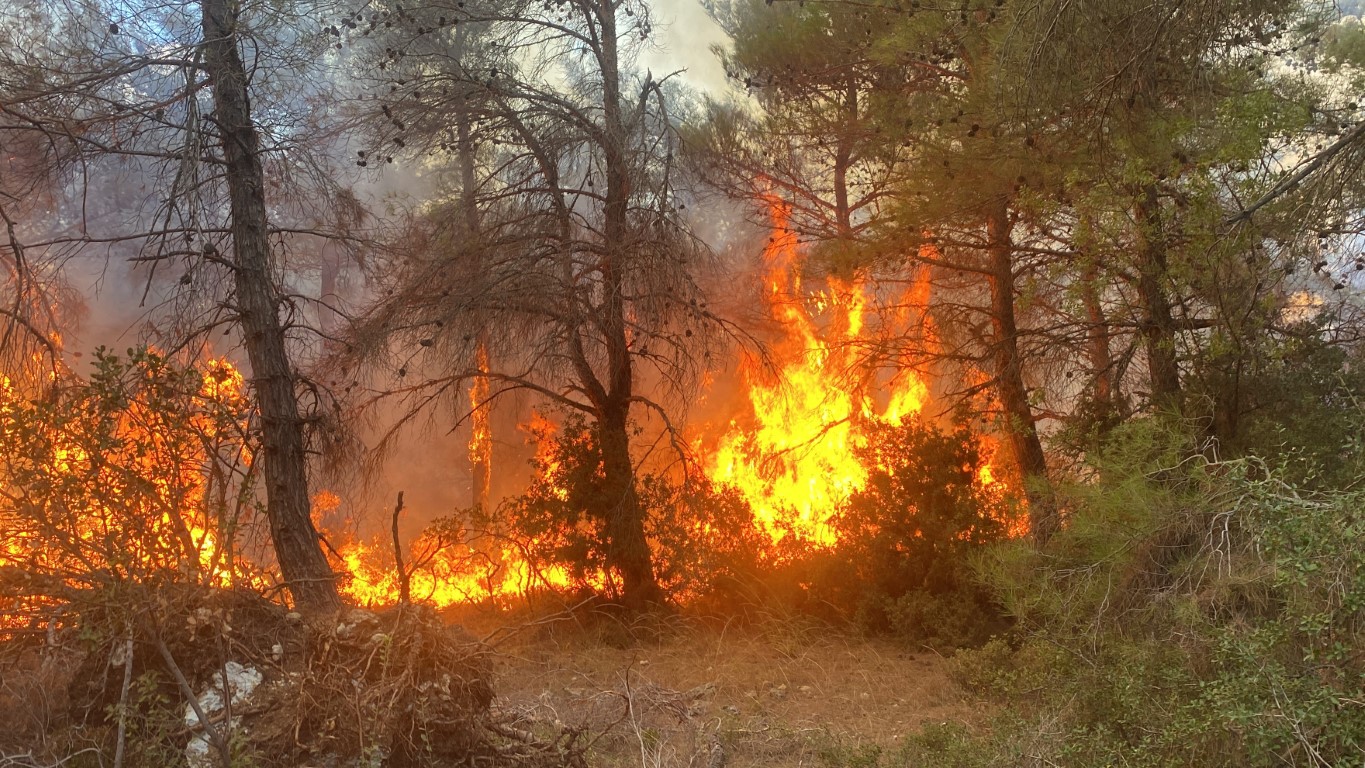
[791,453]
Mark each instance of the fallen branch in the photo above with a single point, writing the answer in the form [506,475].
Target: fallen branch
[215,738]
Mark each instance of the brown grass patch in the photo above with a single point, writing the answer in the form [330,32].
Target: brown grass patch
[687,692]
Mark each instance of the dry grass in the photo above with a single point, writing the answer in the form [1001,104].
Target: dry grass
[696,694]
[665,693]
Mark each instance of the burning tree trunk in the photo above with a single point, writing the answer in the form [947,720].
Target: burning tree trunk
[1009,375]
[480,416]
[300,555]
[480,432]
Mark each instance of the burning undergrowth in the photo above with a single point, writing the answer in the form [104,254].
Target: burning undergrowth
[760,481]
[134,549]
[147,470]
[128,586]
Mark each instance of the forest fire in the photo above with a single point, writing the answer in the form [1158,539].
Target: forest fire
[134,473]
[806,381]
[449,563]
[793,454]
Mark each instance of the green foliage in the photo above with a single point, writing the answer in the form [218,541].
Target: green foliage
[1343,46]
[702,537]
[1300,405]
[840,756]
[942,745]
[908,538]
[1192,613]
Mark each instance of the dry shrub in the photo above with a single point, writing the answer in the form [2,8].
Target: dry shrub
[399,684]
[394,688]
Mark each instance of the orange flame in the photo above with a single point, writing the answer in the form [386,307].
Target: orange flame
[128,491]
[792,455]
[448,567]
[480,431]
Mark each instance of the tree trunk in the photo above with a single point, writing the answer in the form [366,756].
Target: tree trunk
[1104,397]
[628,550]
[481,422]
[1227,400]
[1158,326]
[1009,376]
[843,160]
[481,431]
[305,568]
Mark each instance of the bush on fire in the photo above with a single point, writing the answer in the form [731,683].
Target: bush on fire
[702,537]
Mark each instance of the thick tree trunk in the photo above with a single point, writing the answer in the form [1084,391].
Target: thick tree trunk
[1158,326]
[628,549]
[305,568]
[1020,426]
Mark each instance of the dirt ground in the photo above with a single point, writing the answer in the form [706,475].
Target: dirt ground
[706,694]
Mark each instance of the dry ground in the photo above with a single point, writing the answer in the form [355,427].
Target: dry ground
[695,693]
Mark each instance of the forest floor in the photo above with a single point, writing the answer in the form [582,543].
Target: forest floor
[706,694]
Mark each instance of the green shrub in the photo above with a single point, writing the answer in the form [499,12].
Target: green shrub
[908,537]
[1192,613]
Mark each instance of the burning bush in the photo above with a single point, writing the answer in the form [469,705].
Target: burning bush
[701,536]
[121,502]
[140,474]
